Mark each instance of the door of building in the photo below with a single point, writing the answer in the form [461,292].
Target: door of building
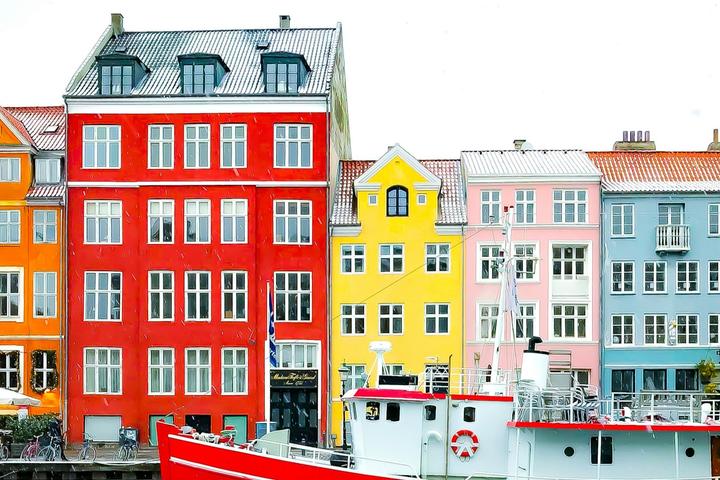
[715,456]
[153,428]
[294,404]
[240,424]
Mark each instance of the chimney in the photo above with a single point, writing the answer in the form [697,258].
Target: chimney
[635,140]
[522,144]
[116,21]
[715,145]
[284,22]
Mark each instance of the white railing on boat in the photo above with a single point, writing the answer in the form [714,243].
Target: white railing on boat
[667,406]
[524,476]
[465,381]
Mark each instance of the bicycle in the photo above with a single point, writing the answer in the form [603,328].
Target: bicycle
[31,449]
[87,452]
[51,452]
[5,442]
[128,445]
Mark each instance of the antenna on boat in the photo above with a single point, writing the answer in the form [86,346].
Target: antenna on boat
[380,348]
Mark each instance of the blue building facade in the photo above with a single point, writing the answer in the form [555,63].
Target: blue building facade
[660,267]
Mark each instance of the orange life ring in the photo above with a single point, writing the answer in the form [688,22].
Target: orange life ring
[464,449]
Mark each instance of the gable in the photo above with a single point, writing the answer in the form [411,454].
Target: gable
[426,180]
[12,132]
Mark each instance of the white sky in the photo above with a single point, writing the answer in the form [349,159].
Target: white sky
[441,76]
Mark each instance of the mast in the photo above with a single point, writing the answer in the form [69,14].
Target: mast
[503,268]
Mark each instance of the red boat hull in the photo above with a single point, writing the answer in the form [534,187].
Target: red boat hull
[184,458]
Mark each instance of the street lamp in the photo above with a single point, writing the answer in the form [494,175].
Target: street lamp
[344,372]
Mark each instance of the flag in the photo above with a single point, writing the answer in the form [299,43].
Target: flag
[511,295]
[272,348]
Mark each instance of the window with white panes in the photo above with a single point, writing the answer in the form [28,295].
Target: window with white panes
[655,329]
[570,321]
[525,321]
[232,146]
[391,318]
[297,355]
[161,371]
[489,207]
[101,146]
[234,295]
[525,262]
[714,276]
[103,370]
[524,206]
[568,262]
[437,257]
[570,206]
[197,371]
[623,220]
[671,214]
[47,170]
[103,296]
[161,296]
[714,327]
[687,329]
[9,170]
[623,277]
[293,222]
[488,256]
[197,146]
[234,371]
[44,370]
[233,221]
[392,258]
[10,370]
[293,146]
[9,226]
[10,295]
[293,294]
[486,322]
[714,219]
[437,318]
[356,377]
[687,277]
[45,294]
[622,329]
[160,221]
[352,319]
[160,146]
[352,258]
[44,226]
[655,277]
[103,222]
[394,368]
[197,296]
[197,221]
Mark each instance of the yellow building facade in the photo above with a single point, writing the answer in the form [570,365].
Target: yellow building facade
[397,267]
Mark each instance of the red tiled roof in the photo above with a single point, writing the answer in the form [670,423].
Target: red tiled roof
[651,171]
[50,191]
[17,124]
[36,120]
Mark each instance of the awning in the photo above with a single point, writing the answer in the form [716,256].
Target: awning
[10,397]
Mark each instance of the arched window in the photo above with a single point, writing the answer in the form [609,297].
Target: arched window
[397,202]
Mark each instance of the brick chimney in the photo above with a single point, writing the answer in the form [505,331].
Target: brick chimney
[522,144]
[715,145]
[116,22]
[635,140]
[284,22]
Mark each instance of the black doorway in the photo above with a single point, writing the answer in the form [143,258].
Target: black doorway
[201,423]
[296,409]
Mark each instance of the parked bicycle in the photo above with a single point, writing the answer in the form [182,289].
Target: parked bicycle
[32,449]
[51,452]
[5,441]
[87,452]
[128,444]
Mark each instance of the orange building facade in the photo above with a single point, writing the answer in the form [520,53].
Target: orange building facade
[32,254]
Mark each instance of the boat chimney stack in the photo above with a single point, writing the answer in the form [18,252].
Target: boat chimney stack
[535,364]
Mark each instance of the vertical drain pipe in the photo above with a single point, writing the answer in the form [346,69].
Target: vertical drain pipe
[447,419]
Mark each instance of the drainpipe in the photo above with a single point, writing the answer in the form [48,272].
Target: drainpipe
[447,420]
[65,277]
[328,280]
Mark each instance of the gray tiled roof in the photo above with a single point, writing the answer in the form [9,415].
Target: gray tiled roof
[453,209]
[513,163]
[238,49]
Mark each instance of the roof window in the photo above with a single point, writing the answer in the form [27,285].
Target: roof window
[201,73]
[51,129]
[118,73]
[284,72]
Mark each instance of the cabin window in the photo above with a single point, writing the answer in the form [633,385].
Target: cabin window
[606,451]
[469,414]
[392,413]
[372,411]
[569,451]
[690,452]
[430,412]
[353,412]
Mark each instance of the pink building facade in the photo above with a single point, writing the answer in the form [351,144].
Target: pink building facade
[555,248]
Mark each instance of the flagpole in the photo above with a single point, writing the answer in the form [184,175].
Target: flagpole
[500,320]
[267,361]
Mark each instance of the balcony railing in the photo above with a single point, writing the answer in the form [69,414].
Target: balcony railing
[673,238]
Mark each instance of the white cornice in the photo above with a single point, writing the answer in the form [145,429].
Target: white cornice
[368,187]
[346,231]
[18,149]
[473,179]
[427,186]
[245,104]
[200,183]
[449,229]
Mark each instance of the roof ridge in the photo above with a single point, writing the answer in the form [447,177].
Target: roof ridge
[526,150]
[33,107]
[206,30]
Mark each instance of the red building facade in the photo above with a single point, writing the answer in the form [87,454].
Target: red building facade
[199,171]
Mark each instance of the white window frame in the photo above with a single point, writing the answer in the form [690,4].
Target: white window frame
[160,292]
[652,328]
[486,315]
[714,328]
[623,271]
[391,257]
[622,324]
[9,166]
[198,293]
[563,317]
[655,276]
[438,256]
[110,367]
[243,390]
[7,371]
[21,293]
[234,291]
[686,320]
[300,219]
[618,210]
[490,200]
[42,222]
[299,292]
[352,252]
[573,259]
[233,139]
[390,317]
[714,211]
[161,367]
[161,203]
[233,205]
[198,367]
[372,200]
[46,279]
[12,226]
[489,259]
[527,217]
[353,313]
[196,142]
[197,202]
[98,144]
[43,369]
[421,199]
[357,376]
[523,317]
[47,171]
[714,267]
[308,350]
[564,203]
[687,275]
[436,316]
[161,142]
[109,217]
[285,140]
[97,293]
[522,274]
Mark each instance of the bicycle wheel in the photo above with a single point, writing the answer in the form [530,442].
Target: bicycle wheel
[4,452]
[132,454]
[121,454]
[90,453]
[46,454]
[25,454]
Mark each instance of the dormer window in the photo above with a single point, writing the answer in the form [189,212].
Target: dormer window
[47,170]
[397,201]
[201,73]
[284,72]
[118,74]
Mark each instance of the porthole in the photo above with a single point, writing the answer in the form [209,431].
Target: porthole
[690,452]
[569,451]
